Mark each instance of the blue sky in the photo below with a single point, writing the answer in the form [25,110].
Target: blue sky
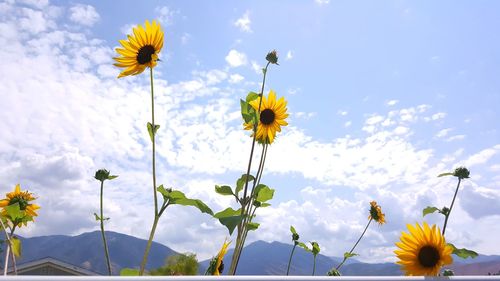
[382,98]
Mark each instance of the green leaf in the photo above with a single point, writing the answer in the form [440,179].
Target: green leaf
[247,112]
[230,218]
[129,272]
[445,174]
[251,96]
[463,253]
[14,211]
[349,255]
[164,192]
[429,210]
[97,217]
[263,193]
[224,190]
[304,246]
[292,229]
[151,131]
[253,226]
[16,246]
[178,198]
[112,177]
[262,205]
[240,183]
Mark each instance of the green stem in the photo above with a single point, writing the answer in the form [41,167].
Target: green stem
[106,252]
[6,259]
[451,207]
[290,260]
[156,216]
[148,246]
[350,252]
[237,253]
[314,265]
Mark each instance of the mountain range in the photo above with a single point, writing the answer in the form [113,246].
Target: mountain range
[258,258]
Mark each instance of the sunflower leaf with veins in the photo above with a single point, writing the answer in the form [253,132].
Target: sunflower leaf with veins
[463,253]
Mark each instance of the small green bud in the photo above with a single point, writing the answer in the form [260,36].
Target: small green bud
[295,237]
[101,175]
[272,57]
[333,272]
[448,272]
[461,173]
[445,211]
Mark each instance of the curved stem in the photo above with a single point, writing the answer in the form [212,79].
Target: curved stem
[350,252]
[451,207]
[290,260]
[106,252]
[148,246]
[156,216]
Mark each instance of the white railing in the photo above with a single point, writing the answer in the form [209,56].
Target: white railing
[242,278]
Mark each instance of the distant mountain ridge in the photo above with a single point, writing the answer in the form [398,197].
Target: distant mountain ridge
[258,258]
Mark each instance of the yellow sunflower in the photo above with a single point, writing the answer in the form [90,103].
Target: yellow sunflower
[376,213]
[23,198]
[423,251]
[140,50]
[272,117]
[219,265]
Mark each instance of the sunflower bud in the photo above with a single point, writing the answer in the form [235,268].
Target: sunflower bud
[461,173]
[295,237]
[101,175]
[445,211]
[272,57]
[333,272]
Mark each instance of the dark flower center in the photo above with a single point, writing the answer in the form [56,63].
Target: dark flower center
[221,267]
[374,213]
[428,256]
[267,116]
[22,203]
[145,54]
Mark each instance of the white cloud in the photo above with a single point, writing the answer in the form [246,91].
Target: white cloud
[235,78]
[244,22]
[165,15]
[304,115]
[443,133]
[322,2]
[347,124]
[392,102]
[256,67]
[185,38]
[435,116]
[455,137]
[235,58]
[84,14]
[128,28]
[289,55]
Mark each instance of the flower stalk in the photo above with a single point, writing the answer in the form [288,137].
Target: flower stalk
[356,244]
[246,203]
[155,197]
[447,214]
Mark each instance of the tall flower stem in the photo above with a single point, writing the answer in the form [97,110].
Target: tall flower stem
[106,252]
[314,265]
[156,215]
[240,240]
[350,252]
[290,260]
[451,206]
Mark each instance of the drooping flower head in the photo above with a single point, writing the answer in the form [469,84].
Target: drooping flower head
[22,198]
[376,213]
[140,50]
[423,251]
[272,117]
[216,266]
